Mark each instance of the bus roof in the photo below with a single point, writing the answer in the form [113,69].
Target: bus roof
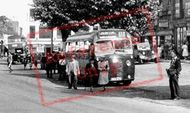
[86,36]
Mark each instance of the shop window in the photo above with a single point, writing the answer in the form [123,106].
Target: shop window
[44,32]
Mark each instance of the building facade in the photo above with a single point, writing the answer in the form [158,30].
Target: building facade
[174,23]
[41,38]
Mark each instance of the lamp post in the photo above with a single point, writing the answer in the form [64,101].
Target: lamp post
[2,48]
[51,40]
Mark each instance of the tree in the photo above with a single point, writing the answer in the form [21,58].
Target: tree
[61,12]
[4,24]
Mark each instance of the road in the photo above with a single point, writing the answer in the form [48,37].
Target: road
[19,93]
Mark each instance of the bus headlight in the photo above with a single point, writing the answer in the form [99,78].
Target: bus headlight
[131,56]
[115,60]
[129,76]
[128,62]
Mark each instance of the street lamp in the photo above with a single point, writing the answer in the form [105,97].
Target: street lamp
[2,48]
[52,41]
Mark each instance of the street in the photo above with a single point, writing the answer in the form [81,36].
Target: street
[19,93]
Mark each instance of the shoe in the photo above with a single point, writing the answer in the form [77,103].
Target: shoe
[75,88]
[10,70]
[69,88]
[177,98]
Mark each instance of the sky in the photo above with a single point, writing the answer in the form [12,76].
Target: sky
[16,10]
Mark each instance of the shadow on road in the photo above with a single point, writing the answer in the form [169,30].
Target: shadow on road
[153,92]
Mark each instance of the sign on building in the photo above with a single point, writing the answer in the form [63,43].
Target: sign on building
[40,49]
[163,23]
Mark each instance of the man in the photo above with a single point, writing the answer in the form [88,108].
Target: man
[43,61]
[10,61]
[49,62]
[72,71]
[173,73]
[62,66]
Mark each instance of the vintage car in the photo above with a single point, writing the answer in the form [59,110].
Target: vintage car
[143,53]
[18,55]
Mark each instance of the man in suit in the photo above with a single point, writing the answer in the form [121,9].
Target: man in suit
[173,73]
[72,70]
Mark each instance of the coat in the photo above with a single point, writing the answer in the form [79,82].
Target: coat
[91,71]
[175,67]
[73,66]
[103,67]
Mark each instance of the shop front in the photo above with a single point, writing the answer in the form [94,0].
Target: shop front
[162,37]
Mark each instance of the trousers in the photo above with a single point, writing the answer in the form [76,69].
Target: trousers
[72,81]
[174,86]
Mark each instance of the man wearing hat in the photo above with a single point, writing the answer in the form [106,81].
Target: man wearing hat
[173,73]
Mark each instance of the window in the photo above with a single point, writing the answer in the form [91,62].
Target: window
[59,36]
[177,7]
[44,32]
[31,15]
[187,9]
[32,31]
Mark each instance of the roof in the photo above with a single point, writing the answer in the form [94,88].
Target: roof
[15,37]
[81,36]
[88,35]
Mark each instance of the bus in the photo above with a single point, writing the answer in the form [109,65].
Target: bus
[115,45]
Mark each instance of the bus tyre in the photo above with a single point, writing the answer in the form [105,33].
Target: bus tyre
[126,83]
[155,60]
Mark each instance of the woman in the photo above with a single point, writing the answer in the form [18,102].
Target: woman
[103,67]
[185,51]
[92,73]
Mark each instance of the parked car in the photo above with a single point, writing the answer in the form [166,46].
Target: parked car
[144,53]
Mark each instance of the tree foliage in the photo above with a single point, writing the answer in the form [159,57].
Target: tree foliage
[61,12]
[4,24]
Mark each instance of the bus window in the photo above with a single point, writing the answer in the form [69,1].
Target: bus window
[119,44]
[77,46]
[86,45]
[72,47]
[80,46]
[122,44]
[103,47]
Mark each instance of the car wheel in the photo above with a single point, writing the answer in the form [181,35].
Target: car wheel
[140,61]
[126,83]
